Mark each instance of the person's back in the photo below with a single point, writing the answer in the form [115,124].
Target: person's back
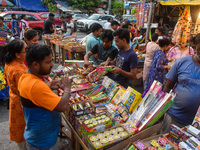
[46,26]
[151,47]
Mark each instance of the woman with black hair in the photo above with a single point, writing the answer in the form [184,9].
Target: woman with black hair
[184,78]
[14,68]
[150,49]
[30,37]
[159,65]
[24,26]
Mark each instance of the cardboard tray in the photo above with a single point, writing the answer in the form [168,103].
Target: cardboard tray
[141,135]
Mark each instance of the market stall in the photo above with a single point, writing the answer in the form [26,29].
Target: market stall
[102,113]
[68,47]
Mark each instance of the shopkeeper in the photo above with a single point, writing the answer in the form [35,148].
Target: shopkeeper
[185,77]
[105,51]
[41,106]
[126,63]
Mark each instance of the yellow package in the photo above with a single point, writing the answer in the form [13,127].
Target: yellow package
[133,100]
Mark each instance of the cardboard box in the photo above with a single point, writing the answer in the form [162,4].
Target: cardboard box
[141,135]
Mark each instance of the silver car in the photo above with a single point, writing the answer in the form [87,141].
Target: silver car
[79,16]
[85,24]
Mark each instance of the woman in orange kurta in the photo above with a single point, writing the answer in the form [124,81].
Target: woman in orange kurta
[14,68]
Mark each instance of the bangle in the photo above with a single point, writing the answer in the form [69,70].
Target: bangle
[67,92]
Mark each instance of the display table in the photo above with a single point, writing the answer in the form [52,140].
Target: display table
[73,52]
[78,143]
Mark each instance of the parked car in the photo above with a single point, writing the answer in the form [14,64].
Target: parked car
[85,24]
[45,15]
[79,16]
[34,20]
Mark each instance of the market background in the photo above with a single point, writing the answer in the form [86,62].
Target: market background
[6,144]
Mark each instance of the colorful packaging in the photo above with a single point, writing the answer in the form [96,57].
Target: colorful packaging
[133,100]
[116,99]
[107,137]
[196,121]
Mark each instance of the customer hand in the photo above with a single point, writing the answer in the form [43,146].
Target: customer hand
[54,84]
[86,64]
[115,69]
[104,63]
[66,83]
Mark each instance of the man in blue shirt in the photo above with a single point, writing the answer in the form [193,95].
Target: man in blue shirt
[185,77]
[91,40]
[126,63]
[15,27]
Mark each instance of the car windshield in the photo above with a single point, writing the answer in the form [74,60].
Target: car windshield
[93,17]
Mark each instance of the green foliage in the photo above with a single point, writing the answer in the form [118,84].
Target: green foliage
[117,7]
[84,3]
[49,5]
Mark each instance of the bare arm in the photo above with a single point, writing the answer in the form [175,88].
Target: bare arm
[86,59]
[168,86]
[72,30]
[130,75]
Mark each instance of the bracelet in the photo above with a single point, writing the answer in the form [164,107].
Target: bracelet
[67,92]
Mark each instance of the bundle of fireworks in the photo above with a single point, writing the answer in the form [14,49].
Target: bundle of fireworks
[157,142]
[95,75]
[121,114]
[177,135]
[80,107]
[101,96]
[108,137]
[154,104]
[96,124]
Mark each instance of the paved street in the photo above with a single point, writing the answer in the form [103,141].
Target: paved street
[5,143]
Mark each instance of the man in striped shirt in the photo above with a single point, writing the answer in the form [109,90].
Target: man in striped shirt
[4,31]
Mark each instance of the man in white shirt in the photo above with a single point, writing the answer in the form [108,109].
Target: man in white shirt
[108,23]
[70,25]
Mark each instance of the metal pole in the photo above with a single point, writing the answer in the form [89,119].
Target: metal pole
[149,20]
[109,6]
[142,25]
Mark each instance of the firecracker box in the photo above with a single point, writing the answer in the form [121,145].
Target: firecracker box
[78,112]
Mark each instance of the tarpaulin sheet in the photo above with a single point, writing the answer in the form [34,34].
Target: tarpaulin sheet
[180,2]
[31,5]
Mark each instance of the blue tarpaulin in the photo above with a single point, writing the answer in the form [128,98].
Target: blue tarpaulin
[31,5]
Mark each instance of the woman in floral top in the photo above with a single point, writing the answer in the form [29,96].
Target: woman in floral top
[159,64]
[182,51]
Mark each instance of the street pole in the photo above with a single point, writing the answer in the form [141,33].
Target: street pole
[143,16]
[109,6]
[149,20]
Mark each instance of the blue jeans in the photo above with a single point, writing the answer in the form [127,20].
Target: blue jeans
[30,147]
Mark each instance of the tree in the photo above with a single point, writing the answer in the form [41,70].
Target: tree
[49,5]
[117,7]
[84,3]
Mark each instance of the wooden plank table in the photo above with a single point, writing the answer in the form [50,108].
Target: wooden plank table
[71,52]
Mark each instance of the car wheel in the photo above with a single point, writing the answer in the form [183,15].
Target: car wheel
[39,34]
